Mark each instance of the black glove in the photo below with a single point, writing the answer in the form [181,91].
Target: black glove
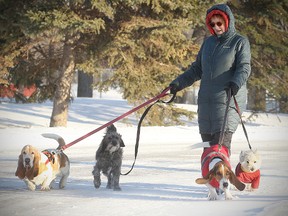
[174,88]
[234,88]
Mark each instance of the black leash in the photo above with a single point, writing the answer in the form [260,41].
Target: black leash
[139,128]
[221,139]
[243,126]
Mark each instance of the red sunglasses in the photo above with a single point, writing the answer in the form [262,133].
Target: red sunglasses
[212,24]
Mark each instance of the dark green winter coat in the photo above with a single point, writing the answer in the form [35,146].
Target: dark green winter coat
[221,59]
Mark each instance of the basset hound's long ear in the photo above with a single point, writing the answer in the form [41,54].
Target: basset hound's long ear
[236,182]
[201,181]
[206,179]
[20,172]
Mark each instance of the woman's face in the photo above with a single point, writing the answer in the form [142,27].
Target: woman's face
[218,25]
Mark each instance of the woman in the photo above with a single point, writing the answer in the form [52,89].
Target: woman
[222,63]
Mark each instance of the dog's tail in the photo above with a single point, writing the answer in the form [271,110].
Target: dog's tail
[56,137]
[200,145]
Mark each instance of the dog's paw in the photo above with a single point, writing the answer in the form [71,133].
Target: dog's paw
[252,189]
[228,197]
[97,183]
[248,187]
[212,196]
[31,187]
[108,186]
[117,188]
[45,188]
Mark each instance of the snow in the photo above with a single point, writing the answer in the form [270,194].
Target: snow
[163,179]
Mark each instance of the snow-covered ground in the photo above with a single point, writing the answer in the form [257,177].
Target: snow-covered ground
[163,180]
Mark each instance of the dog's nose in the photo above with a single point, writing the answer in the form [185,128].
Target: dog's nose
[225,184]
[27,160]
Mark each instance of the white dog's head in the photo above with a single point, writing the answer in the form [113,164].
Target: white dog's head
[250,160]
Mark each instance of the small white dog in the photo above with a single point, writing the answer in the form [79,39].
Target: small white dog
[248,169]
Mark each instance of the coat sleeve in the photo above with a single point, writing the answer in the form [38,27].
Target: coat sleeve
[242,64]
[191,75]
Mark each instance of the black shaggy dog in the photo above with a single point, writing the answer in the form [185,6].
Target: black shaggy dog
[109,159]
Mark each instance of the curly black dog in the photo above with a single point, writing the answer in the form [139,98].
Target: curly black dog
[109,159]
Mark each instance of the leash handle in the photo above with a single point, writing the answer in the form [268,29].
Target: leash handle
[162,94]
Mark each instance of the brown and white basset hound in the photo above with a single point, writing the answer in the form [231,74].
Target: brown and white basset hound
[42,168]
[217,173]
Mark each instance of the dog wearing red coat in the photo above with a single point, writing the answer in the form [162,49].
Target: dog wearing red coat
[217,173]
[248,169]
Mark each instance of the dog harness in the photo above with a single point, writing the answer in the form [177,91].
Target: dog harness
[50,156]
[214,151]
[245,177]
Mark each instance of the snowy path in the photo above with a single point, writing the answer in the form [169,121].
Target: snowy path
[162,182]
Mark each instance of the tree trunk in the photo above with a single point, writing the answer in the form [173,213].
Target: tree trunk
[283,104]
[63,87]
[199,34]
[85,82]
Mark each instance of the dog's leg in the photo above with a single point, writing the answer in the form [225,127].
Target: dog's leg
[228,195]
[31,186]
[248,187]
[65,172]
[63,181]
[116,178]
[46,183]
[97,179]
[110,180]
[52,184]
[212,195]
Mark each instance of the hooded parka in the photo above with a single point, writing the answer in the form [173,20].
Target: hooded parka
[221,59]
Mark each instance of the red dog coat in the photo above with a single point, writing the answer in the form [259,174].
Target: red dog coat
[214,151]
[245,177]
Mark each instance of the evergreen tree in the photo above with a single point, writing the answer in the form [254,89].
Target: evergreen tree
[265,24]
[150,48]
[143,41]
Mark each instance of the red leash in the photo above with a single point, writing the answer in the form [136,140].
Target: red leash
[163,94]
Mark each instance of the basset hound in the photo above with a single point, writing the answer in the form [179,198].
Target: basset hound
[42,168]
[217,173]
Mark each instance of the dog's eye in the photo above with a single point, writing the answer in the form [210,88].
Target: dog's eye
[219,173]
[255,161]
[32,152]
[24,153]
[247,162]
